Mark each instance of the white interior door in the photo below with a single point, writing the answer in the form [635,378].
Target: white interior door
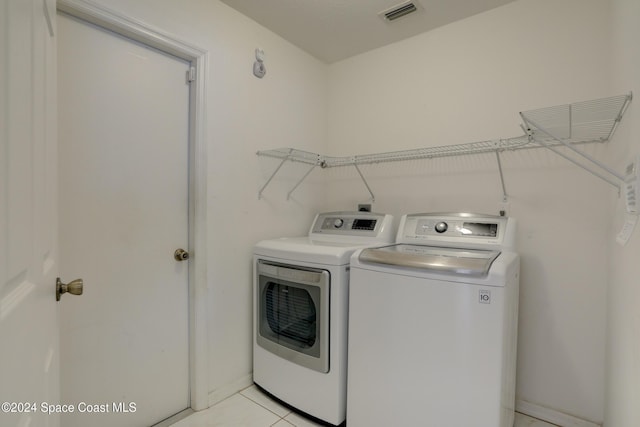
[123,119]
[29,356]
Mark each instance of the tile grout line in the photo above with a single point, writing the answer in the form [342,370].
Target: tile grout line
[281,418]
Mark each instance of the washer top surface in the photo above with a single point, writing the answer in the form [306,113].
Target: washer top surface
[472,262]
[332,239]
[447,246]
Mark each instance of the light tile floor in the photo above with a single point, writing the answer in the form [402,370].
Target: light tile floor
[252,408]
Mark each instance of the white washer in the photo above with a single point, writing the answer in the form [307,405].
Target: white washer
[433,325]
[300,308]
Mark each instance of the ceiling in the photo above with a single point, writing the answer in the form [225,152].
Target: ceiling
[332,30]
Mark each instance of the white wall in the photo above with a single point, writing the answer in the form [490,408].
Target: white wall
[623,326]
[461,83]
[244,114]
[466,82]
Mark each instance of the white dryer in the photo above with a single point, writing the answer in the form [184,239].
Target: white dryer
[433,325]
[301,311]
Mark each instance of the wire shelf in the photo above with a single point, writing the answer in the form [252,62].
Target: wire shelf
[562,125]
[589,121]
[294,155]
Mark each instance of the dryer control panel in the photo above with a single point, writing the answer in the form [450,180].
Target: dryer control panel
[460,229]
[365,224]
[340,223]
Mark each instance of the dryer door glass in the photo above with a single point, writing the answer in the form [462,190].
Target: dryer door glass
[293,313]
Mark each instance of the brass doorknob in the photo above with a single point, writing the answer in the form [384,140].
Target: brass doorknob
[181,255]
[74,288]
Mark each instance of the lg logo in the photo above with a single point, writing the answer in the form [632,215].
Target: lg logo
[485,297]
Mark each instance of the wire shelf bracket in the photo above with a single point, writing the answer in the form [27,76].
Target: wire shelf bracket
[505,197]
[272,176]
[300,181]
[366,184]
[552,128]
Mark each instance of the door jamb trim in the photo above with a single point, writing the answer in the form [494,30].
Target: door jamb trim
[198,58]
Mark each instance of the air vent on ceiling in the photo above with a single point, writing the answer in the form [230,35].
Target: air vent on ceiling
[398,11]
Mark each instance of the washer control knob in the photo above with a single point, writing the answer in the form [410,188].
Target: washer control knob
[338,223]
[441,227]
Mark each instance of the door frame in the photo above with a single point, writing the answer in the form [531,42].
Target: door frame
[198,59]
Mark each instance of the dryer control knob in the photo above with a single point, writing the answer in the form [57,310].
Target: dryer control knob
[338,223]
[441,227]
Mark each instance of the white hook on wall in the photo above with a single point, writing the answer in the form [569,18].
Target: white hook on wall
[259,69]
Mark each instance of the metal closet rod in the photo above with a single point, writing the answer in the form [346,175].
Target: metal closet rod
[583,122]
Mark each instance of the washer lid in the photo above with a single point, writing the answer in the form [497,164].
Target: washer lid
[472,262]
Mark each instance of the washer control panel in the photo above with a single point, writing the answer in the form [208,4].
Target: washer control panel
[453,229]
[460,228]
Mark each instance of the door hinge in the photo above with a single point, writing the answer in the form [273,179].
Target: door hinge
[191,74]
